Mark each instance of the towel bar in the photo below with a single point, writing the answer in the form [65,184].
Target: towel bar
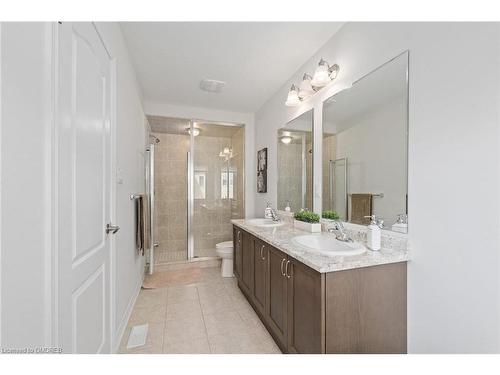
[379,195]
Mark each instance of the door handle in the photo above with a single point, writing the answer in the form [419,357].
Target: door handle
[156,244]
[281,267]
[261,249]
[286,270]
[112,228]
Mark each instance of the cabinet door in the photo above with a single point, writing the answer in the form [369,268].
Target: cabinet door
[237,238]
[260,261]
[277,308]
[306,319]
[247,241]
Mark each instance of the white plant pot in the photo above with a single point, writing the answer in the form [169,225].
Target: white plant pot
[308,227]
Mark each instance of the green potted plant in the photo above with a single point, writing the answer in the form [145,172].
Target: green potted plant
[307,220]
[330,215]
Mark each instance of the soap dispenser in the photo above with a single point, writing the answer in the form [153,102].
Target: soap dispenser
[268,212]
[374,234]
[288,208]
[401,224]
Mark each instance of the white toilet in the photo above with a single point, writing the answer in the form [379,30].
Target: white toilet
[225,251]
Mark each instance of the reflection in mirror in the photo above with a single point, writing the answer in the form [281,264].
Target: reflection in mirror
[295,163]
[365,147]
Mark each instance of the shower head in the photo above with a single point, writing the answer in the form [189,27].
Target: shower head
[153,139]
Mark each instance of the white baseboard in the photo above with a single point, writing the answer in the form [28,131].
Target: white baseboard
[123,324]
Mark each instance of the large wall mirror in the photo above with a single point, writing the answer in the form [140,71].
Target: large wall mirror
[295,163]
[365,138]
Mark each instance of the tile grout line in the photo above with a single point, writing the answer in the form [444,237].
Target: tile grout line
[203,318]
[164,322]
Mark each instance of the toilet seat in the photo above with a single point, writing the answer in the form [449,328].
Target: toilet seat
[224,245]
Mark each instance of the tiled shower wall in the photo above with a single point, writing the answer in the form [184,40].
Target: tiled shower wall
[171,197]
[212,214]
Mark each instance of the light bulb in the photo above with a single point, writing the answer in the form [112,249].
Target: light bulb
[305,87]
[286,139]
[321,75]
[293,97]
[196,131]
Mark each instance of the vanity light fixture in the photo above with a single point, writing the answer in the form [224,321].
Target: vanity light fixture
[196,131]
[226,153]
[293,97]
[286,139]
[305,87]
[324,73]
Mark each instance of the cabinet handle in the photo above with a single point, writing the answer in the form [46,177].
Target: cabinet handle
[262,249]
[281,267]
[286,270]
[239,236]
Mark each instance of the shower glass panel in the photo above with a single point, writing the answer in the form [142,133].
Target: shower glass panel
[217,156]
[198,186]
[170,186]
[335,187]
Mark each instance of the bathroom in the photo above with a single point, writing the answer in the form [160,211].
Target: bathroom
[320,187]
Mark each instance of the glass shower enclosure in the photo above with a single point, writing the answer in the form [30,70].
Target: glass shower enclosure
[198,186]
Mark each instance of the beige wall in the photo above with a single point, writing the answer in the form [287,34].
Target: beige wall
[171,197]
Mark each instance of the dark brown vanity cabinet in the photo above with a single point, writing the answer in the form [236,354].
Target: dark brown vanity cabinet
[353,311]
[260,279]
[305,308]
[277,314]
[243,258]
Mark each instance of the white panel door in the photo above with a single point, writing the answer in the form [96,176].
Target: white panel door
[84,199]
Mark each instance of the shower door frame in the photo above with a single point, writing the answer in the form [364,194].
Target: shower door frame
[150,182]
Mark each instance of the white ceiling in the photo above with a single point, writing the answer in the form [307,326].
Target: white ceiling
[254,58]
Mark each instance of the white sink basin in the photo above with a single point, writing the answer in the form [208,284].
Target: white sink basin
[265,222]
[327,244]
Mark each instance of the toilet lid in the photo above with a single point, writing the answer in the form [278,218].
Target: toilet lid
[224,245]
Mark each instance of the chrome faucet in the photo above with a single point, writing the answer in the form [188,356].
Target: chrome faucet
[274,215]
[271,213]
[337,228]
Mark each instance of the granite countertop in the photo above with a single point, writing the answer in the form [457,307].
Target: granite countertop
[280,237]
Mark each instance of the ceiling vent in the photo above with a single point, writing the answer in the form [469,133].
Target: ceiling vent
[212,85]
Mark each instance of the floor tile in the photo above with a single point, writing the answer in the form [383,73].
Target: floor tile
[225,322]
[186,329]
[152,314]
[182,293]
[210,315]
[195,346]
[151,297]
[184,310]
